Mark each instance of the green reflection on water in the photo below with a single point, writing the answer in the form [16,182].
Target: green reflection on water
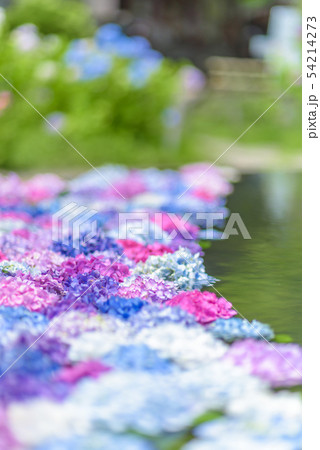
[262,276]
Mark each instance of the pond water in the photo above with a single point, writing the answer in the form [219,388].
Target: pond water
[262,276]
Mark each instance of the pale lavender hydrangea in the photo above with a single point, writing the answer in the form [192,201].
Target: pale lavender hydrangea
[278,364]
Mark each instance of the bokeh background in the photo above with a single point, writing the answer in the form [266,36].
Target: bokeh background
[163,83]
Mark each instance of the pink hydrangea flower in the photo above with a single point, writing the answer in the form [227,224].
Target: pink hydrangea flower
[205,306]
[278,364]
[7,439]
[15,292]
[175,223]
[139,252]
[210,182]
[16,216]
[129,187]
[11,189]
[83,369]
[42,187]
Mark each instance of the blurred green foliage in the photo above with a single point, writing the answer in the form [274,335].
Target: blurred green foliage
[107,119]
[65,17]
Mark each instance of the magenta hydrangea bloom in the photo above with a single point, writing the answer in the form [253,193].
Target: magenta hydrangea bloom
[71,267]
[15,292]
[278,364]
[205,306]
[150,289]
[139,252]
[73,374]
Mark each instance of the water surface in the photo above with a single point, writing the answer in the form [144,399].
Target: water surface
[262,276]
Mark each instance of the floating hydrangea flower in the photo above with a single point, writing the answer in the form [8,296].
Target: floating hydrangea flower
[205,306]
[264,421]
[82,264]
[47,282]
[7,439]
[207,180]
[73,323]
[12,221]
[84,292]
[98,440]
[14,292]
[182,267]
[137,358]
[150,403]
[93,345]
[44,260]
[139,252]
[22,387]
[147,288]
[85,369]
[14,321]
[100,242]
[175,225]
[235,328]
[188,347]
[16,245]
[14,267]
[120,307]
[279,364]
[42,187]
[154,314]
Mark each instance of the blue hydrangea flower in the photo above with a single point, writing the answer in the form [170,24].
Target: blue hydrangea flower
[20,317]
[98,440]
[100,242]
[152,315]
[34,362]
[235,328]
[137,358]
[121,307]
[107,34]
[141,69]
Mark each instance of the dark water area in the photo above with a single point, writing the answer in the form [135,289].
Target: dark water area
[262,276]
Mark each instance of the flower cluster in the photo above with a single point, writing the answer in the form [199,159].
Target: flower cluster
[15,292]
[182,268]
[106,339]
[71,267]
[93,59]
[235,328]
[150,289]
[13,267]
[139,252]
[205,306]
[279,364]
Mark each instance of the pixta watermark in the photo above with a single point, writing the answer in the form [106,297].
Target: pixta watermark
[75,225]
